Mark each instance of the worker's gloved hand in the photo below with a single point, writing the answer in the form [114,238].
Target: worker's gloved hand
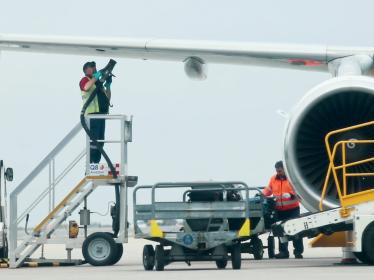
[108,82]
[97,75]
[286,195]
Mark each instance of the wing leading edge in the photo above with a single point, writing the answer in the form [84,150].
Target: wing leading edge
[303,57]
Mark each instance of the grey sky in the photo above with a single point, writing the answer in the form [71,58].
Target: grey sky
[225,128]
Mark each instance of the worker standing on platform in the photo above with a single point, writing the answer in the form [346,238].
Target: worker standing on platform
[287,207]
[99,105]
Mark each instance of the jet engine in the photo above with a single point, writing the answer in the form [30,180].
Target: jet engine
[337,103]
[195,68]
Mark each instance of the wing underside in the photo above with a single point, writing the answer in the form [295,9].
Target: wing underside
[303,57]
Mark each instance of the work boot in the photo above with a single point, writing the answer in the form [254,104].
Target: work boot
[282,255]
[298,256]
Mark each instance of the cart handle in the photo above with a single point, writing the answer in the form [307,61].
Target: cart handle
[225,189]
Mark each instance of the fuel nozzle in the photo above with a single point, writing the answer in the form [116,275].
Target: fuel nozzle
[107,70]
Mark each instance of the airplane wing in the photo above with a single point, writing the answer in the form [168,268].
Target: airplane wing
[303,57]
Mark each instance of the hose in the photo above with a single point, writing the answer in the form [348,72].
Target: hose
[115,225]
[27,223]
[110,203]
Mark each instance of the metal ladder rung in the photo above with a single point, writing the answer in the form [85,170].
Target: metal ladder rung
[28,253]
[62,204]
[55,218]
[25,244]
[65,212]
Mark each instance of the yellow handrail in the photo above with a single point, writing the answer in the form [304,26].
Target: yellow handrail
[332,169]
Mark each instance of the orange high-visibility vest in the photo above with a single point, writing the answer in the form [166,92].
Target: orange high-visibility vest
[278,187]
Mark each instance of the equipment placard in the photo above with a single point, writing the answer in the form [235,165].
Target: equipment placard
[98,169]
[102,169]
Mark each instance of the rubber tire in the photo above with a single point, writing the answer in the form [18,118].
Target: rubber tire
[112,249]
[368,244]
[258,248]
[361,257]
[159,258]
[221,264]
[148,257]
[4,250]
[118,254]
[271,247]
[236,256]
[3,253]
[119,251]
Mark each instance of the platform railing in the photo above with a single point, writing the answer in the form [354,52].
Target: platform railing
[125,137]
[339,149]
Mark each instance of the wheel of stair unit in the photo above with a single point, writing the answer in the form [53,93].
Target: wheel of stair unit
[271,247]
[148,257]
[118,254]
[368,245]
[257,248]
[3,253]
[236,256]
[119,251]
[361,257]
[100,249]
[221,264]
[159,258]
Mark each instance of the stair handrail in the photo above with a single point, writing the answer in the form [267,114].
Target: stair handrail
[58,179]
[332,151]
[13,199]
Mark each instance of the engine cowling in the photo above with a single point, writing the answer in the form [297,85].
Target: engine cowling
[334,104]
[195,68]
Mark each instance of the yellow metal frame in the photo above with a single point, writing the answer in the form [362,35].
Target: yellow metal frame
[345,199]
[337,239]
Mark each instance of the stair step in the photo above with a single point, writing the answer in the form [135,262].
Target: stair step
[52,221]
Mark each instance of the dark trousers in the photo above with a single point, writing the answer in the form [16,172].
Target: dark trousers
[297,243]
[97,128]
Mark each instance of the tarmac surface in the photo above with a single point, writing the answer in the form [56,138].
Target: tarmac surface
[318,263]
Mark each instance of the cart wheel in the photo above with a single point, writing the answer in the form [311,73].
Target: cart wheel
[236,257]
[99,249]
[159,258]
[148,257]
[271,247]
[221,264]
[258,248]
[368,245]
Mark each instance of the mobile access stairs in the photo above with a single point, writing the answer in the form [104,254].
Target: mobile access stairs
[22,249]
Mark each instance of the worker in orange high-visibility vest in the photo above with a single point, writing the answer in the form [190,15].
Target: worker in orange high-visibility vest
[287,207]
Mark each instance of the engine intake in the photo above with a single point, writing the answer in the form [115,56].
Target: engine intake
[336,103]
